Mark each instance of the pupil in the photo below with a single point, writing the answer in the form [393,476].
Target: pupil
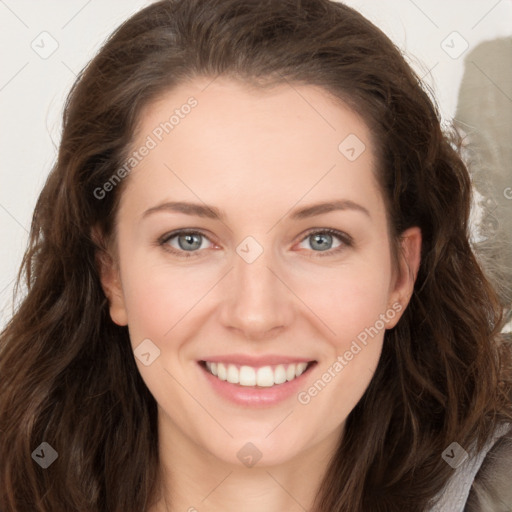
[189,240]
[324,237]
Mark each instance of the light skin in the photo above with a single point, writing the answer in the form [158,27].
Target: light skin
[258,155]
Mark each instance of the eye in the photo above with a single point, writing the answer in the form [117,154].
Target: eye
[323,239]
[188,242]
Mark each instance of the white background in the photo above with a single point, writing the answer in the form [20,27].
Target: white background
[33,89]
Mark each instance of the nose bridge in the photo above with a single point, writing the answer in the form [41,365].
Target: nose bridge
[258,301]
[251,270]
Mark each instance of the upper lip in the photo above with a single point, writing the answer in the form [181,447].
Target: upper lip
[256,361]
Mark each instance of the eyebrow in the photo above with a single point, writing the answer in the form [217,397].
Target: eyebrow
[211,212]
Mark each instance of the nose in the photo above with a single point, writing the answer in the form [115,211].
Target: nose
[258,302]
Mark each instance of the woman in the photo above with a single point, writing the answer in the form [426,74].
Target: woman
[188,341]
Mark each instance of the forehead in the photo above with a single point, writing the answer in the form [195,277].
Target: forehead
[292,111]
[225,139]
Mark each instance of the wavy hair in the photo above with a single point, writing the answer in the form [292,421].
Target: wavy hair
[68,374]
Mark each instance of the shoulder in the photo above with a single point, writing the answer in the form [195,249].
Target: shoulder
[492,487]
[482,483]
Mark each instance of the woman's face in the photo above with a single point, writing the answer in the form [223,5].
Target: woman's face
[260,288]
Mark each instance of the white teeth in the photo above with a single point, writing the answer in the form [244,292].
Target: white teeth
[280,374]
[265,376]
[221,371]
[233,374]
[247,376]
[300,369]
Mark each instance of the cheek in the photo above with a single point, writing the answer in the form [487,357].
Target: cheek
[356,306]
[355,311]
[347,300]
[157,298]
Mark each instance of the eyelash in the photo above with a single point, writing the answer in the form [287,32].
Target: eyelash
[343,237]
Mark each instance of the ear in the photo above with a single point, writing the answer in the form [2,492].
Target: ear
[108,270]
[408,266]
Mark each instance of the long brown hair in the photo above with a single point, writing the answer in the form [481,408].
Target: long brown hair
[68,375]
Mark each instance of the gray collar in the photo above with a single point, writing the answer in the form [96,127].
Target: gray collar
[455,494]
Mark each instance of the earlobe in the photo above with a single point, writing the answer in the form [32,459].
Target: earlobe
[110,281]
[409,264]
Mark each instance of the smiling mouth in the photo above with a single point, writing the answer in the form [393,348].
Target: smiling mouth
[264,376]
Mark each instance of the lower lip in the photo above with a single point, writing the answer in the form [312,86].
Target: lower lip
[256,396]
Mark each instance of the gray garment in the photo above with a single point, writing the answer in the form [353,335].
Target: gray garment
[455,494]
